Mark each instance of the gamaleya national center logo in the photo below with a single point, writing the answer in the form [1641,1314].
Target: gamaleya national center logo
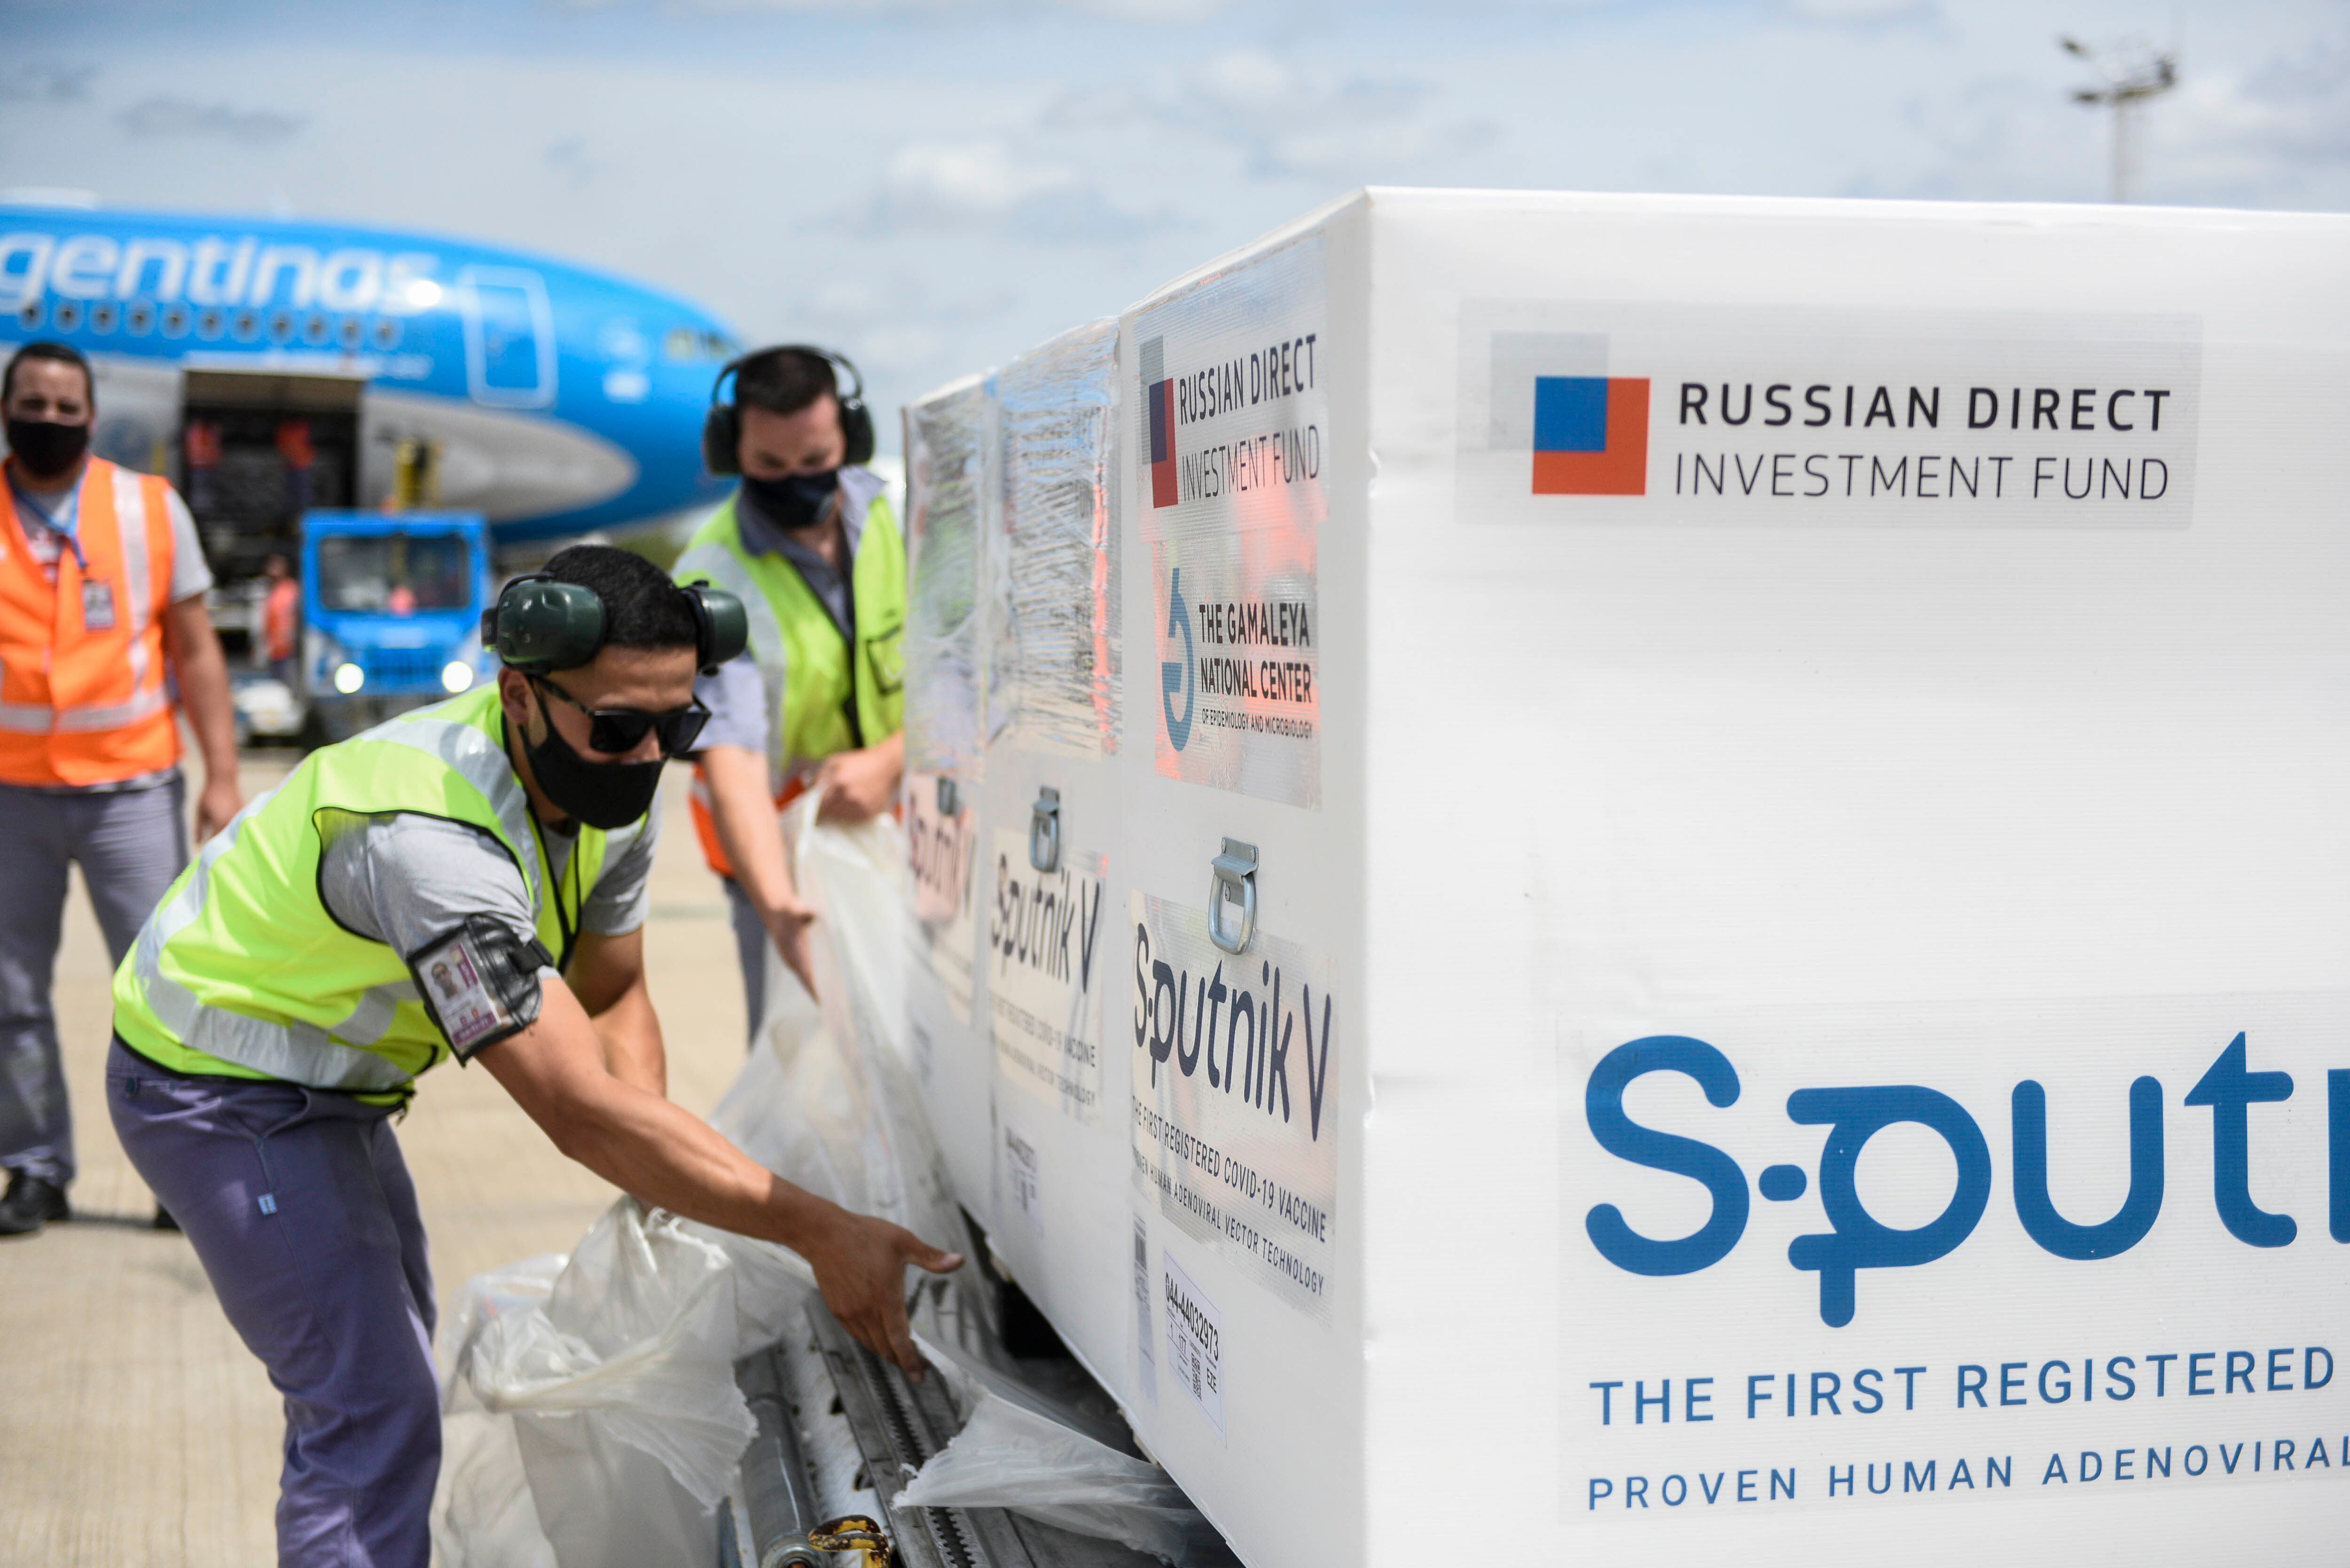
[1591,435]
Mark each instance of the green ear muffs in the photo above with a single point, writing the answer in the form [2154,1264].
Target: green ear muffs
[721,625]
[539,624]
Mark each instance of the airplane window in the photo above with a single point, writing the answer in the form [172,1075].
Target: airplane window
[141,319]
[678,344]
[351,331]
[102,318]
[315,331]
[208,325]
[386,334]
[68,316]
[175,320]
[281,327]
[397,575]
[29,314]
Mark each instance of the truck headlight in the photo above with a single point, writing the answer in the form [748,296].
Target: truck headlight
[349,678]
[457,677]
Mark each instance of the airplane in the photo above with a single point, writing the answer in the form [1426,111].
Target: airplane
[269,366]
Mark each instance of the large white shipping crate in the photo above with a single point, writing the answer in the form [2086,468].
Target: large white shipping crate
[1049,843]
[1735,890]
[952,479]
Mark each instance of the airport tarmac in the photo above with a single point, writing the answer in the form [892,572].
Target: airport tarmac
[134,1426]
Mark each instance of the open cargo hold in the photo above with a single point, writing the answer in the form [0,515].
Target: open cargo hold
[1772,774]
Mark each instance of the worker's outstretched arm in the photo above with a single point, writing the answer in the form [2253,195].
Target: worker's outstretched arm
[203,672]
[644,1144]
[608,976]
[862,784]
[744,814]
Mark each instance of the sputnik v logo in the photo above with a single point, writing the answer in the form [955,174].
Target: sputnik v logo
[1177,674]
[1857,1240]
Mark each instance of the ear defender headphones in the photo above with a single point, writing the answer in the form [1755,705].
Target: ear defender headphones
[722,427]
[539,624]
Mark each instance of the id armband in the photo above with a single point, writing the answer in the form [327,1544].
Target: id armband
[479,984]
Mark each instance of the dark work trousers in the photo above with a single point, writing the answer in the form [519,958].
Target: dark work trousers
[130,844]
[300,1208]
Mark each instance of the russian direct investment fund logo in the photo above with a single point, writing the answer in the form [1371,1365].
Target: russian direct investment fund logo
[1591,435]
[1159,421]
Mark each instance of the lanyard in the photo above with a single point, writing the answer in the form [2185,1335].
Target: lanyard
[566,923]
[69,531]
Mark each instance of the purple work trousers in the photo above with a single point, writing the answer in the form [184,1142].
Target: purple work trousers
[130,843]
[301,1210]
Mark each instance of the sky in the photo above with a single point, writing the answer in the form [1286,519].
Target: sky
[934,185]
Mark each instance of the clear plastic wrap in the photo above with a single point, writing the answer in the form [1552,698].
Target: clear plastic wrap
[1052,660]
[834,1108]
[951,486]
[613,1380]
[483,1514]
[1012,1453]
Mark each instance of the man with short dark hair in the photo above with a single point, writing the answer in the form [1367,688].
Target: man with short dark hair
[809,544]
[468,880]
[101,616]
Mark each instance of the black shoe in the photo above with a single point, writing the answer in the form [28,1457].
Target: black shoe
[163,1221]
[32,1203]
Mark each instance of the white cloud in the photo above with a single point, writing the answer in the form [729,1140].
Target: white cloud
[164,117]
[1170,13]
[988,185]
[1291,119]
[34,82]
[903,347]
[1859,10]
[568,160]
[967,178]
[1245,77]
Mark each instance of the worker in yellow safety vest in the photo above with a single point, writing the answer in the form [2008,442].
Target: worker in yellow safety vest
[809,542]
[102,617]
[468,880]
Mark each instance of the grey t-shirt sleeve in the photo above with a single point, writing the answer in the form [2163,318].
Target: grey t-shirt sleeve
[622,896]
[189,575]
[406,879]
[737,700]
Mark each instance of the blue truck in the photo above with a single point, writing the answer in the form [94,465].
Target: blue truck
[391,613]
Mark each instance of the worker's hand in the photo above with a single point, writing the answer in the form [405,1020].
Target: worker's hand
[220,801]
[789,928]
[860,1267]
[856,785]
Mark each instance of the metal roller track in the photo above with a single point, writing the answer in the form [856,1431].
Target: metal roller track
[778,1494]
[898,1426]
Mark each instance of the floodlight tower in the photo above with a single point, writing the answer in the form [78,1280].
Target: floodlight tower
[2133,73]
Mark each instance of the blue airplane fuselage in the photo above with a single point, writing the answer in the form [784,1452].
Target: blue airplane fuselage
[558,399]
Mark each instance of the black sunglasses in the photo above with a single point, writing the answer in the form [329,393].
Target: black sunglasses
[616,730]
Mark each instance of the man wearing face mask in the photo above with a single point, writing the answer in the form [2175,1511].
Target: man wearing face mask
[101,613]
[469,880]
[810,546]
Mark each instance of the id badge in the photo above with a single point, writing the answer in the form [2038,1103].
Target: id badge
[470,1011]
[97,605]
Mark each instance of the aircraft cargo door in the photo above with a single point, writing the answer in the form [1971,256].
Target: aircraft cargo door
[509,336]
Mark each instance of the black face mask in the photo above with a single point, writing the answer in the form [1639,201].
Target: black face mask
[793,503]
[47,449]
[601,795]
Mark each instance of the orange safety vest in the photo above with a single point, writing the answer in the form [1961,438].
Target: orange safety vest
[279,616]
[82,698]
